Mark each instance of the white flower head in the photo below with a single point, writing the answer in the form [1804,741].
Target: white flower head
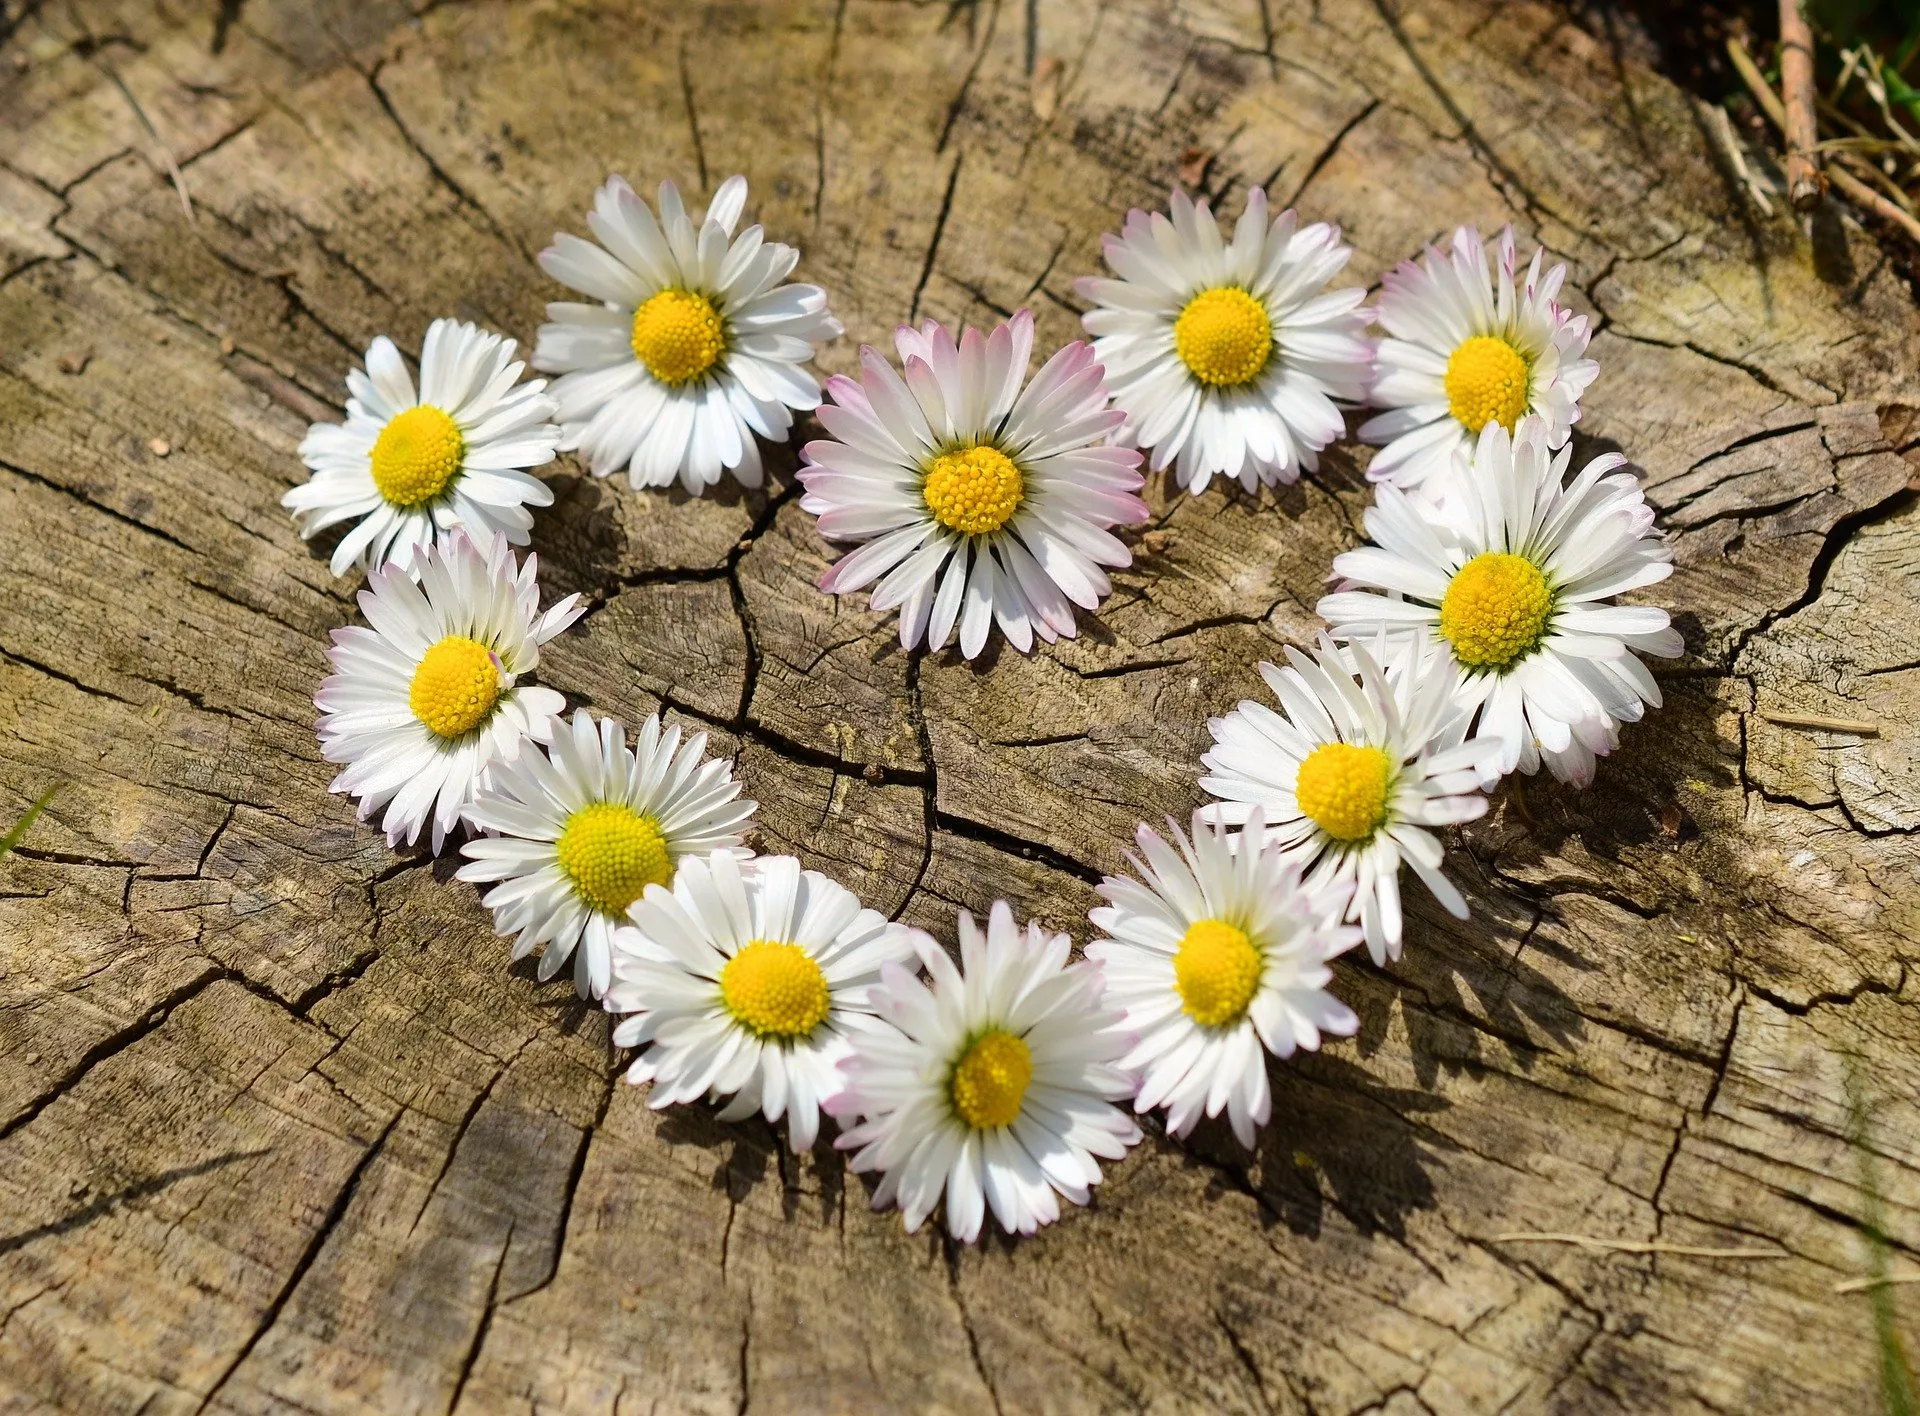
[1227,357]
[750,979]
[995,1087]
[407,467]
[978,503]
[1516,589]
[1214,954]
[580,831]
[1352,777]
[695,348]
[426,696]
[1466,349]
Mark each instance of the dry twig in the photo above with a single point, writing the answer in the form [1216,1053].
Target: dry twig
[1861,1285]
[1850,186]
[1858,726]
[1860,194]
[1756,82]
[1730,144]
[1876,86]
[1796,83]
[1856,154]
[1641,1246]
[1849,63]
[159,143]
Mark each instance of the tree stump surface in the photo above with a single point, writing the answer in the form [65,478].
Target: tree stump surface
[280,1130]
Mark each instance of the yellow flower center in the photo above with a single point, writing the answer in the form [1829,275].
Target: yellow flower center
[611,854]
[1216,972]
[973,490]
[456,686]
[775,989]
[416,455]
[1487,383]
[991,1080]
[1224,337]
[677,334]
[1495,610]
[1342,788]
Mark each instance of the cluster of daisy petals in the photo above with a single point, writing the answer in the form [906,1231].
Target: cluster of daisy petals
[1477,633]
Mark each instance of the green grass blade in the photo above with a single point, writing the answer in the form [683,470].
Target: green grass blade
[20,827]
[1907,45]
[1898,1394]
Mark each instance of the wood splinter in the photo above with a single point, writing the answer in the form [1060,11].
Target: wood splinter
[1860,727]
[1639,1246]
[1796,88]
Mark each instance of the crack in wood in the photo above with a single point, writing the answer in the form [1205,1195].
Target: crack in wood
[933,242]
[460,194]
[315,1243]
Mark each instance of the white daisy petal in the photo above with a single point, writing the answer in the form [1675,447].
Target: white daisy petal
[995,1088]
[424,701]
[694,348]
[762,1008]
[1246,972]
[1223,358]
[403,467]
[1507,580]
[388,374]
[1367,752]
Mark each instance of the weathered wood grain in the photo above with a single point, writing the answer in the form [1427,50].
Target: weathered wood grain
[280,1131]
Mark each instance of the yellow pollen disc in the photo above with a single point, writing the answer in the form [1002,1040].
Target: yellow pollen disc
[1495,610]
[677,334]
[456,686]
[1217,972]
[991,1080]
[1487,383]
[611,854]
[416,455]
[775,989]
[1224,337]
[1342,788]
[973,490]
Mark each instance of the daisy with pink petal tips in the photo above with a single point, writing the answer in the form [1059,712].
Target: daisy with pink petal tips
[975,502]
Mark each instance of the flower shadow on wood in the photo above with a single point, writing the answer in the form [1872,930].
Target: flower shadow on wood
[1460,986]
[1340,1139]
[750,1153]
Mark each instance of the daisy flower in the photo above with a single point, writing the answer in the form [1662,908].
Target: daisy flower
[1516,591]
[426,697]
[995,1087]
[1213,954]
[978,503]
[579,832]
[750,979]
[405,468]
[1350,779]
[1228,357]
[1466,350]
[694,348]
